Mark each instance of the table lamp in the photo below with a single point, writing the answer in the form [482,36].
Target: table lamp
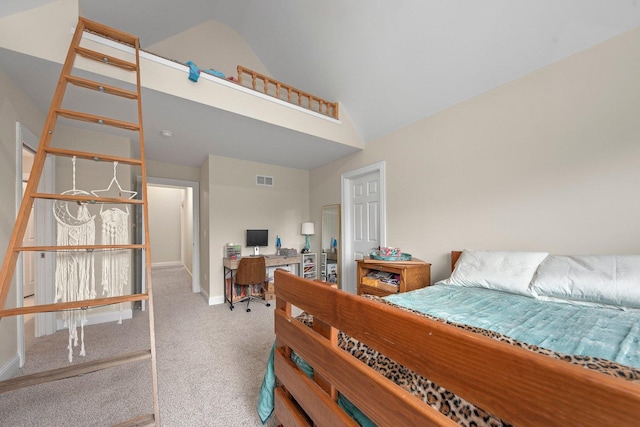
[307,230]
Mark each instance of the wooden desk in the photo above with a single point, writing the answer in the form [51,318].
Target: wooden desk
[231,265]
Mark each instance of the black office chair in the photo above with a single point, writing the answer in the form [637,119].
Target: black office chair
[251,271]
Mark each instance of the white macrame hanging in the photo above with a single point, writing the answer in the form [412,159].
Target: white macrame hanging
[75,279]
[115,263]
[115,231]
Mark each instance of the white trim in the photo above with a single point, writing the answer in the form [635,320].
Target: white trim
[45,323]
[175,65]
[9,369]
[102,317]
[21,134]
[167,264]
[44,230]
[215,300]
[347,272]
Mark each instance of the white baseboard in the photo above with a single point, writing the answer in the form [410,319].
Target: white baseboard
[212,300]
[166,264]
[10,368]
[105,317]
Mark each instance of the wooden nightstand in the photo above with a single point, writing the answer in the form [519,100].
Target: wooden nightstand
[413,275]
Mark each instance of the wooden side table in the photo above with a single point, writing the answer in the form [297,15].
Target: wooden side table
[412,274]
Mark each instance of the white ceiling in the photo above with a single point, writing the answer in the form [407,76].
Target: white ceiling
[388,63]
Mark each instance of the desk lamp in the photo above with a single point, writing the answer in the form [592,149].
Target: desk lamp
[307,230]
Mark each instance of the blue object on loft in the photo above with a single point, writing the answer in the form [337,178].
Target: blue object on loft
[194,72]
[215,73]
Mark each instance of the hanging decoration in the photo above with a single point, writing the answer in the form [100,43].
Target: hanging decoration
[115,231]
[75,279]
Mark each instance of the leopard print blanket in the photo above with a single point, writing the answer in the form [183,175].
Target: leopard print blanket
[449,404]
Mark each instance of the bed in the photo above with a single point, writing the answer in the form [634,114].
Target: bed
[476,376]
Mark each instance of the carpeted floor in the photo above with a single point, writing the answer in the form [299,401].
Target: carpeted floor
[210,363]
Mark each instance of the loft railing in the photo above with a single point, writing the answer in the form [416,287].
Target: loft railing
[269,86]
[272,87]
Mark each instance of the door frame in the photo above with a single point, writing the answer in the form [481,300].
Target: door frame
[45,323]
[347,261]
[195,267]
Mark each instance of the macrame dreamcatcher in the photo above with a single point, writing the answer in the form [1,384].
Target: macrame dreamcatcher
[75,279]
[115,231]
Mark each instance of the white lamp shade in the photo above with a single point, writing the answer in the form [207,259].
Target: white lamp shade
[307,229]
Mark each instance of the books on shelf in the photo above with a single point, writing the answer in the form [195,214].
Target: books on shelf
[309,266]
[383,280]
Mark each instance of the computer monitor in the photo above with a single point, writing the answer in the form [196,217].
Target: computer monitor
[257,238]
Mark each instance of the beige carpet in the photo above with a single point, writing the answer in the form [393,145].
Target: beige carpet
[210,364]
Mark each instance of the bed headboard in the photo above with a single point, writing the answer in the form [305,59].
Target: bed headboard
[454,258]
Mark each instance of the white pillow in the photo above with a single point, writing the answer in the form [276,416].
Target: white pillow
[612,280]
[499,270]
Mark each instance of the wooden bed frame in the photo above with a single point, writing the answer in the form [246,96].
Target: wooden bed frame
[517,385]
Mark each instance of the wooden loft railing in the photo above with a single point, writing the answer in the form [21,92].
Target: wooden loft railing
[269,86]
[272,87]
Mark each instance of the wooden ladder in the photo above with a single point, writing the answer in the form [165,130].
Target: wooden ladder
[31,193]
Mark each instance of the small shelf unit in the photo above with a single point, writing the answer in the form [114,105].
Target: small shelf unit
[310,266]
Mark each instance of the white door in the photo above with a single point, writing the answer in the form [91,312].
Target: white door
[364,218]
[365,197]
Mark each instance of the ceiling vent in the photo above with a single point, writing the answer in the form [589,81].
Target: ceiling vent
[264,181]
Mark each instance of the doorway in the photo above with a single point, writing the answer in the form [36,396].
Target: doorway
[190,220]
[34,270]
[364,218]
[28,257]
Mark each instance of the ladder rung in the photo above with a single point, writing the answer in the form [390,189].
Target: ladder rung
[73,370]
[98,119]
[72,305]
[92,156]
[61,248]
[109,32]
[91,199]
[101,87]
[141,421]
[106,59]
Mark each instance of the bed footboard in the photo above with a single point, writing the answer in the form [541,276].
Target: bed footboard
[517,385]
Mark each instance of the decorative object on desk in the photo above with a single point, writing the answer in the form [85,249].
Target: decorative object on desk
[334,245]
[307,229]
[288,252]
[278,245]
[390,254]
[232,251]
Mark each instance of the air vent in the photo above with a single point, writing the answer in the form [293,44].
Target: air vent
[264,181]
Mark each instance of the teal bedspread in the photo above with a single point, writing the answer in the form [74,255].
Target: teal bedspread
[604,332]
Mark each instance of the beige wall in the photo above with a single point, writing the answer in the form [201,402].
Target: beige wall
[170,171]
[165,224]
[42,31]
[236,203]
[550,161]
[211,44]
[14,107]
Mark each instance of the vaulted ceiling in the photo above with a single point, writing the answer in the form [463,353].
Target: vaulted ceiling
[388,63]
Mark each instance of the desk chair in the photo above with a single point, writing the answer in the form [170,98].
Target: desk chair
[251,271]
